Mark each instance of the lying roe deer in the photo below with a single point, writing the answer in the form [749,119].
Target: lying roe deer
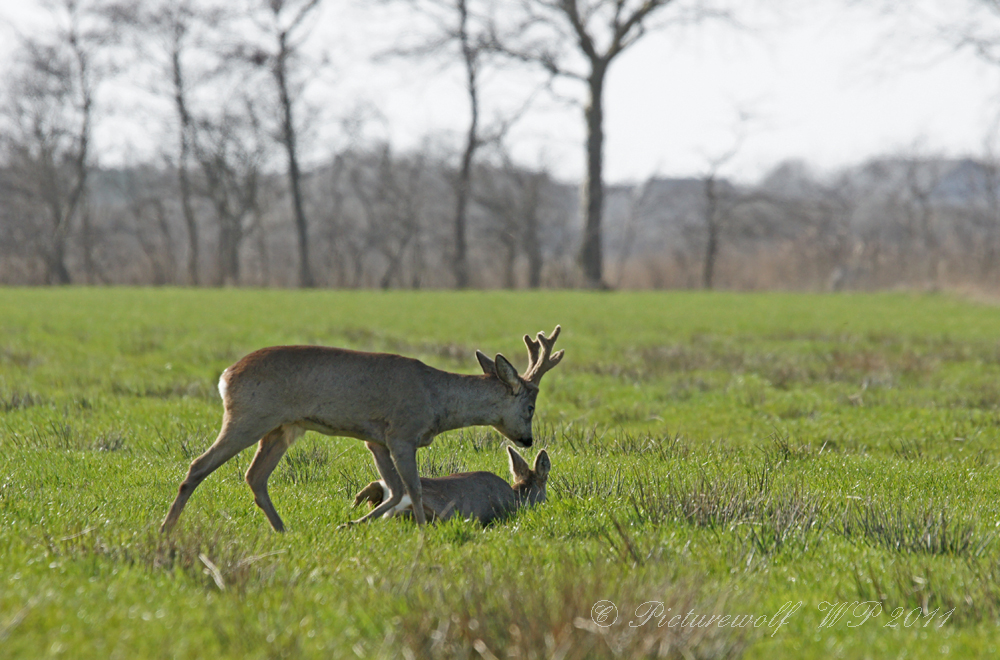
[393,403]
[480,495]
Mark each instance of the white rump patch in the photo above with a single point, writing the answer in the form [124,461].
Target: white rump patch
[223,386]
[405,504]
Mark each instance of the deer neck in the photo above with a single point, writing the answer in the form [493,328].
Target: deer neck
[468,401]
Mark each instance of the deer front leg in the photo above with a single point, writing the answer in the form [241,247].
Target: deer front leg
[404,457]
[386,469]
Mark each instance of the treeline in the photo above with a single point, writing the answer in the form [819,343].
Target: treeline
[223,89]
[377,219]
[236,190]
[380,219]
[897,221]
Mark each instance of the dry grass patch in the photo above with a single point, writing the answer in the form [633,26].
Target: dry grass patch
[930,529]
[19,400]
[207,556]
[503,612]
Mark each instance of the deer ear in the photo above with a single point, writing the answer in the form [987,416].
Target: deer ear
[508,374]
[487,364]
[542,465]
[518,466]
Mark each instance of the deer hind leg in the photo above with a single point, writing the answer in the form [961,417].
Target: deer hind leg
[272,447]
[233,438]
[429,513]
[385,467]
[373,493]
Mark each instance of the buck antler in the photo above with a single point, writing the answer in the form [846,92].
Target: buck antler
[540,355]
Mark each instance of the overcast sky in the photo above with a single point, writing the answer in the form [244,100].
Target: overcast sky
[831,86]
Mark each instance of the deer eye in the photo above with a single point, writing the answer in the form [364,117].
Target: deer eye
[531,411]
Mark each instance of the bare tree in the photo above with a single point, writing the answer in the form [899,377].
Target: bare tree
[391,195]
[334,226]
[172,34]
[462,31]
[980,33]
[533,185]
[497,193]
[231,151]
[984,189]
[513,197]
[49,116]
[717,198]
[286,26]
[557,34]
[639,200]
[177,17]
[457,32]
[472,50]
[818,215]
[921,179]
[148,220]
[978,30]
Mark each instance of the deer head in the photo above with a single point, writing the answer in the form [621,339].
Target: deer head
[516,414]
[529,482]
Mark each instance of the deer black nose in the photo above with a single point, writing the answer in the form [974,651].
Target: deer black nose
[526,442]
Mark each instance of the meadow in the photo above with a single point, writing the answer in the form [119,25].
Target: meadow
[790,475]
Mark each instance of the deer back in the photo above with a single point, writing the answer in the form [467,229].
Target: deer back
[328,389]
[368,395]
[480,495]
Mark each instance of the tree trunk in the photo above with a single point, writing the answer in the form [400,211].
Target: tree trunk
[591,257]
[229,251]
[711,252]
[460,266]
[167,261]
[712,226]
[532,241]
[63,212]
[194,277]
[55,265]
[180,102]
[288,139]
[509,261]
[463,188]
[87,244]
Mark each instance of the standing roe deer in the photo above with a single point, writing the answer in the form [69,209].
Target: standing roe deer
[480,495]
[393,403]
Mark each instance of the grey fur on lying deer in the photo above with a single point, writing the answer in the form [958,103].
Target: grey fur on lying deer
[394,404]
[480,495]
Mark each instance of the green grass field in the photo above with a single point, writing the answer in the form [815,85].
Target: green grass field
[723,455]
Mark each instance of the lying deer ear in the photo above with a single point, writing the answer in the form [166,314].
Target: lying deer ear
[542,465]
[487,364]
[508,374]
[518,466]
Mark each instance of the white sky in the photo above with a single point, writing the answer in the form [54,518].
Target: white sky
[831,85]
